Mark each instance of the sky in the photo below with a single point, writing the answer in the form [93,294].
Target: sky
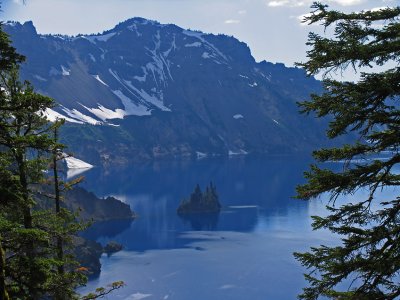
[271,28]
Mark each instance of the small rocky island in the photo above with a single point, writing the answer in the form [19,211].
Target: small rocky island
[200,202]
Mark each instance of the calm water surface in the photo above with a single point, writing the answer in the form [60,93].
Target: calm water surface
[245,252]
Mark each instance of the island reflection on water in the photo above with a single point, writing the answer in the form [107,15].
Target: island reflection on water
[258,228]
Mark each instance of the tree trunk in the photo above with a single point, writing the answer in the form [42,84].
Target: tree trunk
[24,184]
[29,248]
[60,250]
[59,238]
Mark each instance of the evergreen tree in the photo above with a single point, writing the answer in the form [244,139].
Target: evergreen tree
[35,243]
[62,225]
[214,195]
[8,191]
[22,134]
[8,55]
[197,196]
[369,255]
[8,197]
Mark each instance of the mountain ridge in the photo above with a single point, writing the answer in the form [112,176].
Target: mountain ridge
[167,92]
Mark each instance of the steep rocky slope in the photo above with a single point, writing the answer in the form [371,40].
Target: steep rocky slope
[148,90]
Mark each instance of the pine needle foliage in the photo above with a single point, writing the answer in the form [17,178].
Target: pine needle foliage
[35,242]
[366,264]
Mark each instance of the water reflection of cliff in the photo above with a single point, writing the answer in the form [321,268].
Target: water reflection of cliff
[108,229]
[258,188]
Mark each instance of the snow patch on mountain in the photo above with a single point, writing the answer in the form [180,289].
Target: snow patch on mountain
[40,78]
[200,155]
[134,28]
[77,115]
[105,114]
[173,47]
[138,296]
[92,57]
[267,77]
[159,62]
[11,23]
[71,173]
[210,46]
[194,44]
[142,78]
[97,77]
[65,71]
[206,55]
[102,56]
[152,99]
[53,116]
[130,107]
[101,38]
[238,116]
[141,94]
[116,77]
[239,152]
[74,163]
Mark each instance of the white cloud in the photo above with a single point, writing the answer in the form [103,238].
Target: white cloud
[278,3]
[378,8]
[300,3]
[289,3]
[242,12]
[20,2]
[347,2]
[231,21]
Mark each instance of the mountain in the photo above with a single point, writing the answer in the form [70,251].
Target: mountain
[145,90]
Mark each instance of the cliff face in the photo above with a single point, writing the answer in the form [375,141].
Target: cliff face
[158,90]
[91,207]
[88,254]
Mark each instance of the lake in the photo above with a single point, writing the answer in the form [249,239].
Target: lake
[245,252]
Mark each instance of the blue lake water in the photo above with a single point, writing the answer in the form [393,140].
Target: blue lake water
[245,252]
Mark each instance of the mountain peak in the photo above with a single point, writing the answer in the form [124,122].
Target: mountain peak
[161,91]
[135,21]
[26,27]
